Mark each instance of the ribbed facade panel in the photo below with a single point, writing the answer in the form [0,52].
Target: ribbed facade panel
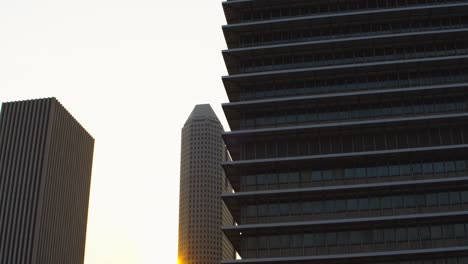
[46,159]
[349,131]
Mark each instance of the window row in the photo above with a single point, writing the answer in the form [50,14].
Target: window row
[360,204]
[321,144]
[322,8]
[354,82]
[358,237]
[310,177]
[352,57]
[357,29]
[355,111]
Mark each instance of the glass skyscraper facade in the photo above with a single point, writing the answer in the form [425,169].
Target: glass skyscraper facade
[349,131]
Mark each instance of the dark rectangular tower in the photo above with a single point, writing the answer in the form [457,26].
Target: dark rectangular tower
[45,172]
[349,131]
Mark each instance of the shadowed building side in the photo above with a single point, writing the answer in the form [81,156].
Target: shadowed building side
[202,180]
[349,132]
[45,172]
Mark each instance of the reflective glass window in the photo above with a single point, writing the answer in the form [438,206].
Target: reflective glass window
[436,232]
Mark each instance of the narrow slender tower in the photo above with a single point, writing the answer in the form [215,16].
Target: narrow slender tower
[202,180]
[45,172]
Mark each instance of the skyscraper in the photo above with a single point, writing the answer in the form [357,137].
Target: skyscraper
[349,133]
[45,171]
[201,210]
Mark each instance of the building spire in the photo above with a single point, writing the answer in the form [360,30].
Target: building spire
[202,111]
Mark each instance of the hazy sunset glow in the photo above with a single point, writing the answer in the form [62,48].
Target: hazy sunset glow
[130,72]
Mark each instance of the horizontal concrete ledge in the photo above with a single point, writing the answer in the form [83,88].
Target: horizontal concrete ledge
[332,40]
[401,253]
[343,14]
[341,94]
[343,155]
[345,124]
[283,192]
[275,226]
[337,67]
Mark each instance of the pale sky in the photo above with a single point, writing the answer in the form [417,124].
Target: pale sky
[130,71]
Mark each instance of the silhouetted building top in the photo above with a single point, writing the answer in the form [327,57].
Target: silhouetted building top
[45,172]
[202,111]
